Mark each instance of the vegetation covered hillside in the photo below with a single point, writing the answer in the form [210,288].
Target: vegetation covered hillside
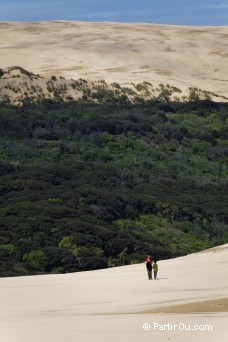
[86,186]
[18,84]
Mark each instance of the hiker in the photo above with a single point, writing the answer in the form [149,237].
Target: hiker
[148,263]
[155,267]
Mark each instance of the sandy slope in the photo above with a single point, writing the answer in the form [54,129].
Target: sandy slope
[177,55]
[113,304]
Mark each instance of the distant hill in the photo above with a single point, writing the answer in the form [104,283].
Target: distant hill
[182,56]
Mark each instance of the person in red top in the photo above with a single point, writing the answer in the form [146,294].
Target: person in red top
[148,263]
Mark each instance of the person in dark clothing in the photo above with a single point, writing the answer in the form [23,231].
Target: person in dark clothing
[148,263]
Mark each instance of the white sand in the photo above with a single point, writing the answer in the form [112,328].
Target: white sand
[177,55]
[112,304]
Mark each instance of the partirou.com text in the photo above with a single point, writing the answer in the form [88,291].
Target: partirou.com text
[177,327]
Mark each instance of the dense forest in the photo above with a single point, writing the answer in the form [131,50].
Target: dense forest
[87,186]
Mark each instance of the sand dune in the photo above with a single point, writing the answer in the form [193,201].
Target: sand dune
[178,55]
[113,304]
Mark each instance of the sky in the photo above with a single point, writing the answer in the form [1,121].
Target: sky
[174,12]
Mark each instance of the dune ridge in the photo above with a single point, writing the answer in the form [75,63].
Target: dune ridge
[182,56]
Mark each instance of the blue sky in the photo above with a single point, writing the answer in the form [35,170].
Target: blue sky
[179,12]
